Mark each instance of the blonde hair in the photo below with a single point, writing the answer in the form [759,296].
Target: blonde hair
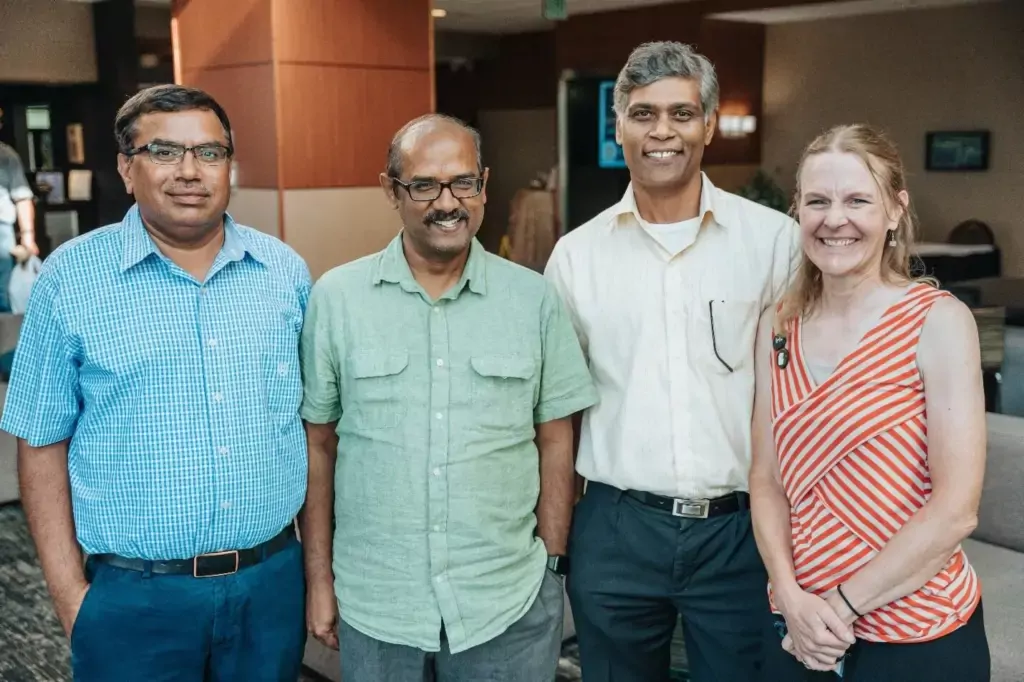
[883,161]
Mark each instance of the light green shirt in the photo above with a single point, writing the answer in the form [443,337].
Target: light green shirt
[437,475]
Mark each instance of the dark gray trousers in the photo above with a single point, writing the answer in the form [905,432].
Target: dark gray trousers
[635,568]
[526,652]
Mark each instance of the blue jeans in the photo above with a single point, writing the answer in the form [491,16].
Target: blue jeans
[175,628]
[526,652]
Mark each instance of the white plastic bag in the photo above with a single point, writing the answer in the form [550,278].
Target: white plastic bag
[22,279]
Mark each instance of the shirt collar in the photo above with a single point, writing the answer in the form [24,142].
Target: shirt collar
[394,268]
[137,245]
[711,204]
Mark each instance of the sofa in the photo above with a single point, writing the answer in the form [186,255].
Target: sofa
[996,547]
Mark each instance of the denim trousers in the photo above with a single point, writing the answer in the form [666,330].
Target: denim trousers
[249,625]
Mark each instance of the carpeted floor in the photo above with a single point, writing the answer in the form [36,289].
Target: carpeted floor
[32,645]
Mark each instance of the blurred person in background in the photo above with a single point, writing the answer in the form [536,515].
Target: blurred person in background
[17,208]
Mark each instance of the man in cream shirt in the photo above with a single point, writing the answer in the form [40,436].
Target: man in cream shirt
[665,290]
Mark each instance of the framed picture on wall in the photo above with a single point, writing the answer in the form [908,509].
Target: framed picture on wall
[965,150]
[76,148]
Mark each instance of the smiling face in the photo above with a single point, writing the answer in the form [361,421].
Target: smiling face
[663,133]
[844,215]
[440,222]
[182,201]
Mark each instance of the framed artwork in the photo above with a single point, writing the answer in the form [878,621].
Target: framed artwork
[76,147]
[953,150]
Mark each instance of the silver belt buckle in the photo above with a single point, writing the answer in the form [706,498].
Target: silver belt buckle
[691,509]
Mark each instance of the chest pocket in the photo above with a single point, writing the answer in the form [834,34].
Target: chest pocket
[375,396]
[504,384]
[723,334]
[279,345]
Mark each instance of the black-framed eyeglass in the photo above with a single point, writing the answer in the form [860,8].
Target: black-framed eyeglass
[430,190]
[169,153]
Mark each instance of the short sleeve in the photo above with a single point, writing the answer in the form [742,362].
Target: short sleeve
[566,386]
[18,185]
[43,397]
[321,402]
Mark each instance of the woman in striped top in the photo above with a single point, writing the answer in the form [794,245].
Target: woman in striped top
[868,441]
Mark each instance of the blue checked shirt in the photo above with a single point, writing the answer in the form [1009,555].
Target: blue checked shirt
[181,398]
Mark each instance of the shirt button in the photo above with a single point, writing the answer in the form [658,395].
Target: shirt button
[282,368]
[437,472]
[439,415]
[440,362]
[439,578]
[437,529]
[222,450]
[212,343]
[437,309]
[225,504]
[217,397]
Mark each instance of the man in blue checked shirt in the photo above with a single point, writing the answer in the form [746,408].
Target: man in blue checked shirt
[155,396]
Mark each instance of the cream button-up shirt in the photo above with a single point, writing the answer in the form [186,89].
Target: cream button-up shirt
[669,338]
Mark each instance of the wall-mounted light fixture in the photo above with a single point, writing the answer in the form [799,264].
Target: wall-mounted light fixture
[438,13]
[737,126]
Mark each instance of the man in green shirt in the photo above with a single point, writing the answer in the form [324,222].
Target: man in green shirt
[439,382]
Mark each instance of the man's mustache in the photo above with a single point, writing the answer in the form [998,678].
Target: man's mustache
[442,216]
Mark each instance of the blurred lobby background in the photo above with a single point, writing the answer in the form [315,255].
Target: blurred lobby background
[316,88]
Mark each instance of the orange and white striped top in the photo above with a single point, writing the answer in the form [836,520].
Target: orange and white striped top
[853,452]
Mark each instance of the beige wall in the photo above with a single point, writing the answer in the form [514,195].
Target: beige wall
[256,208]
[911,72]
[329,227]
[46,41]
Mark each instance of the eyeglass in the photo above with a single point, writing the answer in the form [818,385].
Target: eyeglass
[430,190]
[168,153]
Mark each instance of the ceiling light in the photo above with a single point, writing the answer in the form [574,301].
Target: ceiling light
[438,13]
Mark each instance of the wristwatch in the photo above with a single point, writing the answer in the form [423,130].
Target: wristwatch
[558,564]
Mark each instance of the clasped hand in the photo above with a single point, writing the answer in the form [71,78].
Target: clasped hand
[817,636]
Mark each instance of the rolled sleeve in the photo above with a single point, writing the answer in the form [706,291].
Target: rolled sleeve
[321,403]
[566,386]
[43,398]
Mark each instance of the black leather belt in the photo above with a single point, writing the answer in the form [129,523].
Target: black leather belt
[205,565]
[699,508]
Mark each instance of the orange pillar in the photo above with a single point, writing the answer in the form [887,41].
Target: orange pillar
[315,89]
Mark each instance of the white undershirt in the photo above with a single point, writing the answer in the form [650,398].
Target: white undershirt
[673,237]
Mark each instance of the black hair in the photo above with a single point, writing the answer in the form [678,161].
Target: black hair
[163,98]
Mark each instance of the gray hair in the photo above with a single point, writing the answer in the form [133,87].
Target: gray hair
[653,62]
[394,168]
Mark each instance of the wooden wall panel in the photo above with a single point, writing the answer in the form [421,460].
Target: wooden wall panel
[336,123]
[381,33]
[602,41]
[737,51]
[247,94]
[221,33]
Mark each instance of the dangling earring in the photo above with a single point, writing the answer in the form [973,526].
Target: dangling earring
[892,237]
